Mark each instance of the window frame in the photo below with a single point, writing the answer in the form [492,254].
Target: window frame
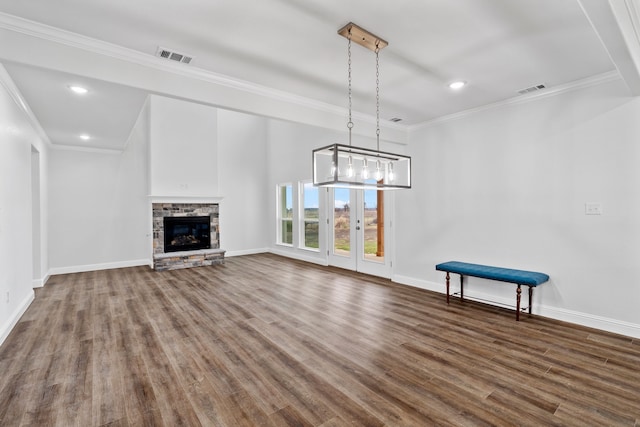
[280,215]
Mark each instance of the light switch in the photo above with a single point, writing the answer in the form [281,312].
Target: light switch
[593,208]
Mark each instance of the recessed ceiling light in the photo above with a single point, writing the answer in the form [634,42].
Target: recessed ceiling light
[457,84]
[78,89]
[85,137]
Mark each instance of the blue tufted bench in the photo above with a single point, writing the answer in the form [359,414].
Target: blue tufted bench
[519,277]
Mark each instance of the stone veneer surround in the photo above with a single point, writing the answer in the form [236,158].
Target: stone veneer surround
[174,260]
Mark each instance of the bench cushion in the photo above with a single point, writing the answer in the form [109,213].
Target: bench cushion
[529,278]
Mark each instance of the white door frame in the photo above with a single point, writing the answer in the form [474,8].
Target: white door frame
[355,259]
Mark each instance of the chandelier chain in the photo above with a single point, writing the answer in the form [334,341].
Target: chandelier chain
[350,122]
[378,95]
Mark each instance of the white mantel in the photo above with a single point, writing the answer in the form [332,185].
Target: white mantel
[184,199]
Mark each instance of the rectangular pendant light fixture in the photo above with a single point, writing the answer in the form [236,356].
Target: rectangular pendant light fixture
[340,165]
[346,166]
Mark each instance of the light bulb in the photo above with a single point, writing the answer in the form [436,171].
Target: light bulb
[350,167]
[378,171]
[78,90]
[365,169]
[391,174]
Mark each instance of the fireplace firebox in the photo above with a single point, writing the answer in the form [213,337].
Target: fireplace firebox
[186,233]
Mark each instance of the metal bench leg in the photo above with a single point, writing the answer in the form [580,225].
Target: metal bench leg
[518,295]
[461,290]
[530,298]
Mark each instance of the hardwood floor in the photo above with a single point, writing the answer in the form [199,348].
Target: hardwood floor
[268,341]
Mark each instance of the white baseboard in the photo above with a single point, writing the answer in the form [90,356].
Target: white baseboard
[590,320]
[576,317]
[246,252]
[417,283]
[15,316]
[39,283]
[285,253]
[95,267]
[299,256]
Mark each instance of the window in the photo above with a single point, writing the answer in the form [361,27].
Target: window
[285,214]
[309,216]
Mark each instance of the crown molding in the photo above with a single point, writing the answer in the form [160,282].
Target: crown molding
[523,99]
[634,15]
[625,13]
[96,150]
[611,21]
[78,41]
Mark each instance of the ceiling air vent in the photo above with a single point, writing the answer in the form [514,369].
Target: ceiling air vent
[531,89]
[395,120]
[173,55]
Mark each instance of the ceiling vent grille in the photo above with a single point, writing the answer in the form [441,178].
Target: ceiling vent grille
[531,89]
[173,55]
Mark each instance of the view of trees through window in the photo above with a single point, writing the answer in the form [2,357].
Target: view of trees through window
[307,214]
[310,216]
[286,214]
[342,217]
[341,221]
[373,243]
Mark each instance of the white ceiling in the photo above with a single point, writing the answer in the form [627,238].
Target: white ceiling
[107,112]
[498,46]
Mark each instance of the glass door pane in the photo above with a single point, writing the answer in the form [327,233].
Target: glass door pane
[310,217]
[373,225]
[342,222]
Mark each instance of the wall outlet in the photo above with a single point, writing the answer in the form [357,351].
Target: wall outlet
[593,208]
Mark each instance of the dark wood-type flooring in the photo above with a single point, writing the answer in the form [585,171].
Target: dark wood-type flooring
[268,341]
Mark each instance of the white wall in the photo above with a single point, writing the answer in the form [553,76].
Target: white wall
[99,210]
[184,148]
[507,186]
[136,160]
[17,137]
[243,168]
[111,189]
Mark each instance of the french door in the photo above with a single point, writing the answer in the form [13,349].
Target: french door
[359,225]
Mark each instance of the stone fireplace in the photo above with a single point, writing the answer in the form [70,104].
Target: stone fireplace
[186,235]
